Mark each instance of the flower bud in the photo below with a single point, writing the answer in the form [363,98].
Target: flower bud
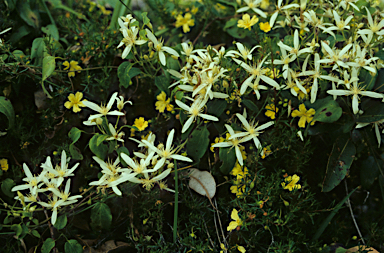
[99,121]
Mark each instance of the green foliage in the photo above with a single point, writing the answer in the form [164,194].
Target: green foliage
[72,246]
[7,109]
[48,245]
[101,216]
[198,143]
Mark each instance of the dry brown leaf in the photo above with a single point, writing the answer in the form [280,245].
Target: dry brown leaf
[356,249]
[202,182]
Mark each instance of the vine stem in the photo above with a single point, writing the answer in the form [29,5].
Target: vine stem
[176,209]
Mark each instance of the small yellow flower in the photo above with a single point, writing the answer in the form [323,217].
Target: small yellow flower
[241,249]
[291,183]
[265,27]
[217,140]
[72,66]
[239,172]
[304,114]
[264,4]
[140,124]
[185,22]
[163,102]
[236,221]
[271,111]
[4,164]
[194,10]
[75,102]
[247,22]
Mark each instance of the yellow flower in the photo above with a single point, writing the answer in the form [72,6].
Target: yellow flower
[236,221]
[194,10]
[247,22]
[74,101]
[217,140]
[4,164]
[140,124]
[163,103]
[304,114]
[266,152]
[238,171]
[185,22]
[265,27]
[271,113]
[72,66]
[264,4]
[241,249]
[292,183]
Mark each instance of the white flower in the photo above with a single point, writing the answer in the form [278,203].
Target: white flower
[374,27]
[130,39]
[148,183]
[103,110]
[33,183]
[167,152]
[340,24]
[194,110]
[279,8]
[252,130]
[65,199]
[121,103]
[234,142]
[377,131]
[59,172]
[253,5]
[296,46]
[158,45]
[348,80]
[6,30]
[256,73]
[335,58]
[115,135]
[243,52]
[355,91]
[285,60]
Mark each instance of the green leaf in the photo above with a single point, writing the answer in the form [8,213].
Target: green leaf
[30,17]
[101,216]
[162,84]
[369,170]
[20,33]
[101,138]
[99,150]
[327,220]
[37,51]
[72,246]
[380,54]
[35,233]
[74,134]
[146,20]
[126,72]
[250,105]
[61,222]
[49,65]
[75,152]
[368,81]
[327,110]
[123,150]
[197,145]
[216,107]
[17,228]
[51,30]
[373,112]
[47,245]
[6,187]
[230,23]
[339,162]
[7,109]
[228,157]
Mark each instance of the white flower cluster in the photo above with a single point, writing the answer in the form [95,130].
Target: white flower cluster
[147,167]
[50,183]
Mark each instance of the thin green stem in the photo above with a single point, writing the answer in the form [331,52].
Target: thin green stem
[176,209]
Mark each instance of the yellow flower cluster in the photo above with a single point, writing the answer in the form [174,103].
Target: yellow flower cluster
[4,164]
[185,22]
[140,123]
[290,183]
[246,22]
[163,102]
[73,66]
[241,174]
[306,116]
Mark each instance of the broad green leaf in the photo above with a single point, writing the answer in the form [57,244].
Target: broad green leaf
[6,187]
[162,84]
[72,246]
[20,33]
[327,220]
[369,170]
[327,110]
[61,222]
[228,157]
[17,228]
[75,152]
[379,86]
[51,29]
[99,150]
[49,65]
[47,245]
[101,216]
[238,33]
[7,109]
[74,134]
[197,145]
[228,3]
[30,17]
[216,107]
[11,4]
[339,162]
[101,138]
[146,20]
[126,72]
[123,150]
[37,51]
[230,23]
[373,112]
[288,40]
